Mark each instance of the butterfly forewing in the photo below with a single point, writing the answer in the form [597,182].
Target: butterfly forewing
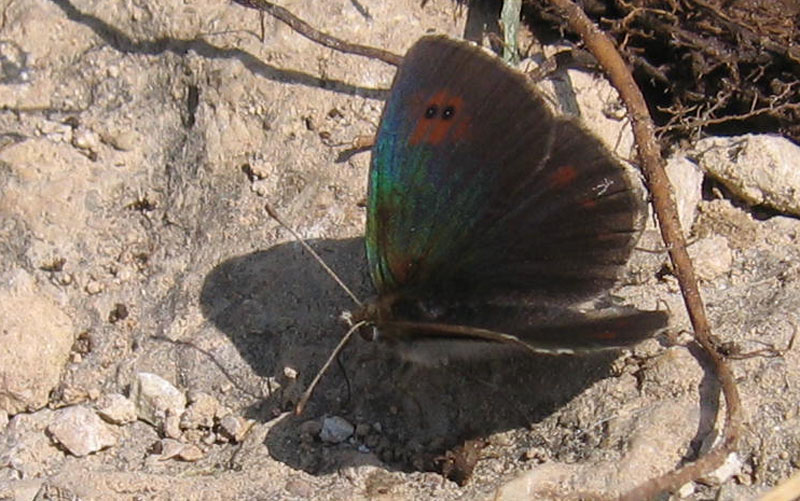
[573,229]
[452,125]
[475,186]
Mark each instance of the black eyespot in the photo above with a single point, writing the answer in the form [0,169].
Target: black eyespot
[448,113]
[431,111]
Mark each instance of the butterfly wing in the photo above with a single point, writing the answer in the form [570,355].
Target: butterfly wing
[575,333]
[476,188]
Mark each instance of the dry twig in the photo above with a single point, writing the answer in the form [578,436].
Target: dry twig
[652,165]
[315,35]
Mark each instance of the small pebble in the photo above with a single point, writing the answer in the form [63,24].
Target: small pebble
[686,490]
[311,428]
[537,454]
[209,438]
[93,287]
[116,409]
[124,140]
[191,453]
[86,139]
[261,168]
[155,397]
[363,429]
[173,449]
[262,187]
[81,431]
[172,428]
[235,427]
[193,436]
[335,430]
[170,448]
[300,488]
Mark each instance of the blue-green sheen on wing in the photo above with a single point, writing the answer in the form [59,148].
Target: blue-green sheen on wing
[416,213]
[428,194]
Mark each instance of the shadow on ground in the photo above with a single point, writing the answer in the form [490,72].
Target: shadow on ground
[280,310]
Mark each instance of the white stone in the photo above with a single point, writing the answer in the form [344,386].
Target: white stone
[86,139]
[36,337]
[154,397]
[761,169]
[117,409]
[686,179]
[81,431]
[686,490]
[711,256]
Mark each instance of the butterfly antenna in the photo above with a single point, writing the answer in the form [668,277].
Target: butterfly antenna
[274,215]
[301,404]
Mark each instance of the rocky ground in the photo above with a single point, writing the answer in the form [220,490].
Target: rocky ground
[157,326]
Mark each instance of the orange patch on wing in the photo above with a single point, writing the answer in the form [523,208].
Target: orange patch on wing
[421,132]
[434,130]
[563,176]
[462,128]
[588,203]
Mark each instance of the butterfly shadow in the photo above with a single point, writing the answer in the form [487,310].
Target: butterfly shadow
[280,310]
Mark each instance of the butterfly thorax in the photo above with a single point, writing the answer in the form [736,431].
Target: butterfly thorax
[387,309]
[373,313]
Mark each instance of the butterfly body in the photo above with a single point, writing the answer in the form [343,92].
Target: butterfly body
[484,208]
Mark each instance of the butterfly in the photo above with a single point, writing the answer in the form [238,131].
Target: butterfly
[489,219]
[483,206]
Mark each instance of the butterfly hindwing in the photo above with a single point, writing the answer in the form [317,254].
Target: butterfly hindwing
[576,333]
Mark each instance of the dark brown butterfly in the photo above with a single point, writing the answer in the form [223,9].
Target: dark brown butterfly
[483,206]
[487,216]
